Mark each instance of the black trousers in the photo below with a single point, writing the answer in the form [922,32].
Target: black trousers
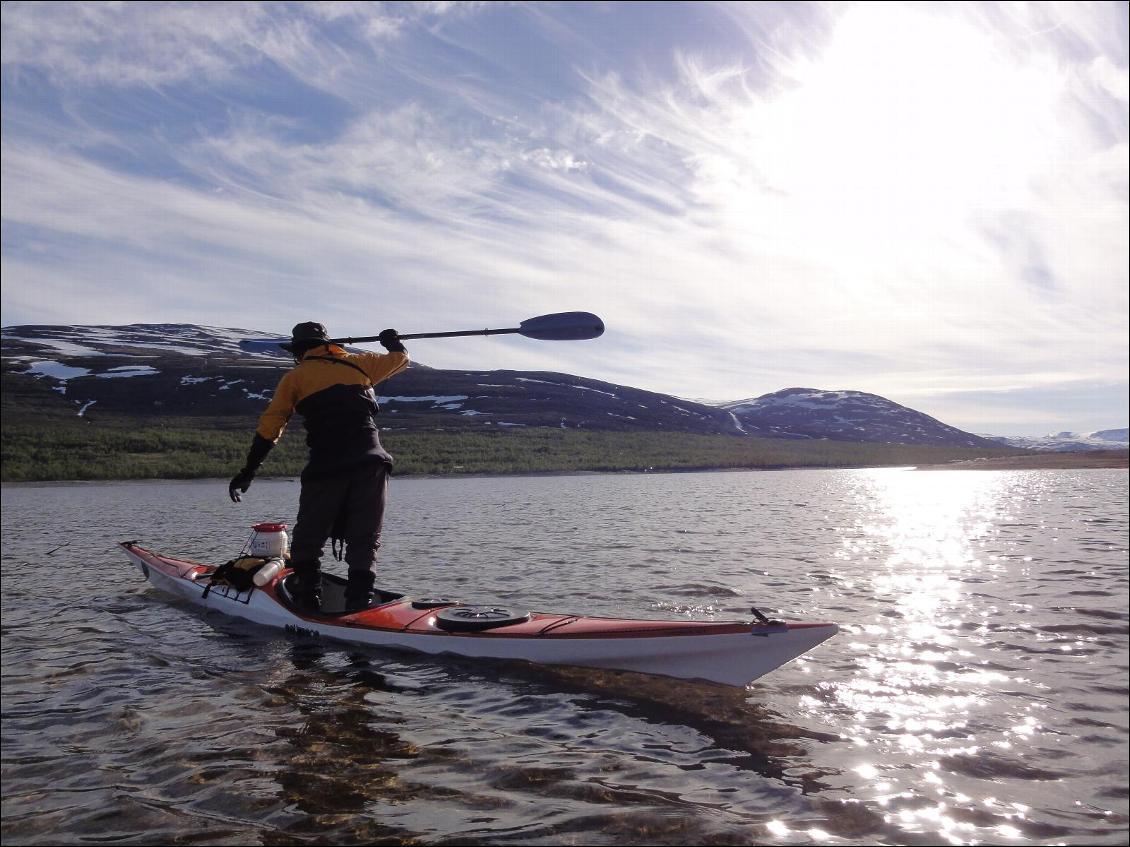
[351,506]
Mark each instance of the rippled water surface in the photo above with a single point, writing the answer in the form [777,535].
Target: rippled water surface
[977,692]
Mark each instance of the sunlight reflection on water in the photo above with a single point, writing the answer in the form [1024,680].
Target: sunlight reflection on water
[918,698]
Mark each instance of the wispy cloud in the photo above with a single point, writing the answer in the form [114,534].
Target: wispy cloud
[924,202]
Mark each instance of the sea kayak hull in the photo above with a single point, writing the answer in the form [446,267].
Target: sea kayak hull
[732,653]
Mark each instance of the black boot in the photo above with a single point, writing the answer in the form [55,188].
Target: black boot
[358,602]
[306,588]
[359,592]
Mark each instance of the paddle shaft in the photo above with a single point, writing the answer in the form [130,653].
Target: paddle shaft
[409,337]
[562,326]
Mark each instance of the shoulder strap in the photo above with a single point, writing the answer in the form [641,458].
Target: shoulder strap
[338,361]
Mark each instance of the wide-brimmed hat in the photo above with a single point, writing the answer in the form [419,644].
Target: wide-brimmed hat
[305,336]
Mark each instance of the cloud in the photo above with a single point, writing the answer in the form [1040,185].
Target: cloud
[915,201]
[142,44]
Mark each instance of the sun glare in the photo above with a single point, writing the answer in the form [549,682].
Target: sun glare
[924,111]
[907,121]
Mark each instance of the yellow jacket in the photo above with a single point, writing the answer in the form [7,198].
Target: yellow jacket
[333,392]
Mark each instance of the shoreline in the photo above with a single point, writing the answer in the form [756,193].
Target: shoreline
[1091,460]
[473,475]
[1087,460]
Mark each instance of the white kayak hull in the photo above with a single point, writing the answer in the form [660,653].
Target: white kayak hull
[732,653]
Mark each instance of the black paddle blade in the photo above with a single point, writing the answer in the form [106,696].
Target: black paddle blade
[563,326]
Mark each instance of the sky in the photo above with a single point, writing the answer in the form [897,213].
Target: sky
[923,201]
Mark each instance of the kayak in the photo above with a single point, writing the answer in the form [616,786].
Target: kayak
[732,653]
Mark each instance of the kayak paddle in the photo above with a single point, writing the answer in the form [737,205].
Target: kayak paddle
[560,326]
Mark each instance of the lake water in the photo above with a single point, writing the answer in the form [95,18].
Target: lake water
[977,692]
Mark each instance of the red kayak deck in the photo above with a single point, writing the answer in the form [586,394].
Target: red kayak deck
[402,616]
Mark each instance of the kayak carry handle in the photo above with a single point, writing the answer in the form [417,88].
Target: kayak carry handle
[764,621]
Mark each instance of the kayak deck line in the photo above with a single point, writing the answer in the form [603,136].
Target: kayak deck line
[715,651]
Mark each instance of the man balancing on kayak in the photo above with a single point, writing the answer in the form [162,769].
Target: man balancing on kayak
[345,481]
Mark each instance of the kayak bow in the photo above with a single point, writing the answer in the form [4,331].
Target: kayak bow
[732,653]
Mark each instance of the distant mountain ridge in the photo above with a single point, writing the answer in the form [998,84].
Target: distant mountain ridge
[185,370]
[1069,442]
[845,416]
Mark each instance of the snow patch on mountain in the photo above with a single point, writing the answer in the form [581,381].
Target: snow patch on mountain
[67,348]
[56,371]
[126,371]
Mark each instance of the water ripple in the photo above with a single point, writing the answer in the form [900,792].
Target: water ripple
[977,692]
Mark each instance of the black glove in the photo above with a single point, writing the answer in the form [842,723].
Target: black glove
[390,340]
[260,447]
[240,482]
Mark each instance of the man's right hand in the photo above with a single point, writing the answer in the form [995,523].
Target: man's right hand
[240,482]
[390,340]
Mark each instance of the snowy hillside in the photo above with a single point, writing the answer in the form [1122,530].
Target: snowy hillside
[178,370]
[845,416]
[1069,442]
[135,340]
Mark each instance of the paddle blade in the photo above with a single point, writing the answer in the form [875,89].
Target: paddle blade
[268,346]
[563,326]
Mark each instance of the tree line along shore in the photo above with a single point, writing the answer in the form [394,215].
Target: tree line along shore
[1040,461]
[121,448]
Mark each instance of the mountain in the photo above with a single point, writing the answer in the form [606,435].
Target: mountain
[185,370]
[845,416]
[181,370]
[1069,442]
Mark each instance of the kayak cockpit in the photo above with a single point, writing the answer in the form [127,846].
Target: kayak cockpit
[333,597]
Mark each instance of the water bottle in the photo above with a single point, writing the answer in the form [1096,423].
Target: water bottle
[268,572]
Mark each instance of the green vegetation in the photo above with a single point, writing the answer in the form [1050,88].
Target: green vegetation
[66,447]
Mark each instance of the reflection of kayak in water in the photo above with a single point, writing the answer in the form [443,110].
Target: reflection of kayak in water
[732,653]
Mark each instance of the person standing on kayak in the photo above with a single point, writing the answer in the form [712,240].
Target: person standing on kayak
[345,481]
